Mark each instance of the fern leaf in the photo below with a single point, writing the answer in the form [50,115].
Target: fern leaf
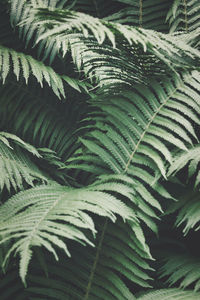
[145,133]
[39,122]
[160,53]
[190,158]
[16,166]
[37,221]
[172,294]
[184,15]
[181,268]
[188,211]
[97,273]
[12,60]
[147,14]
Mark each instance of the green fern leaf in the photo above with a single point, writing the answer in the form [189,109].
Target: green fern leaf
[15,164]
[184,15]
[181,268]
[38,69]
[36,220]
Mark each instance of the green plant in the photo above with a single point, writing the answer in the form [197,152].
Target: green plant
[99,149]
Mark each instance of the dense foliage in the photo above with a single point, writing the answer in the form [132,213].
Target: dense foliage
[99,149]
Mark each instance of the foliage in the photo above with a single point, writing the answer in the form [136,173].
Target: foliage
[99,149]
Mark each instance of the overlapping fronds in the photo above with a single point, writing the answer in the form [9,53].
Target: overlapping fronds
[140,127]
[119,255]
[64,22]
[95,273]
[184,15]
[183,269]
[191,159]
[170,294]
[89,177]
[109,53]
[187,208]
[38,118]
[45,215]
[147,14]
[56,286]
[188,211]
[16,166]
[23,65]
[135,133]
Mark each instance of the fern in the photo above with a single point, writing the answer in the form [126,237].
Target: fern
[184,15]
[24,65]
[190,158]
[64,22]
[39,122]
[16,165]
[130,131]
[182,268]
[35,220]
[147,14]
[148,52]
[171,294]
[115,151]
[139,138]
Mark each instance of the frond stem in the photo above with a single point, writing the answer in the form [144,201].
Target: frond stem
[146,129]
[140,13]
[95,261]
[37,225]
[186,17]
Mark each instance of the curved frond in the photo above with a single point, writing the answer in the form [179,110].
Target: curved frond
[188,211]
[182,269]
[142,125]
[134,134]
[109,53]
[23,65]
[101,272]
[191,159]
[64,22]
[38,118]
[107,275]
[16,166]
[35,218]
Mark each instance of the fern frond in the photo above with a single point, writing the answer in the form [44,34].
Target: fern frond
[182,269]
[134,134]
[184,15]
[110,53]
[98,273]
[44,123]
[65,22]
[187,209]
[38,221]
[147,14]
[16,165]
[142,124]
[170,294]
[23,65]
[189,158]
